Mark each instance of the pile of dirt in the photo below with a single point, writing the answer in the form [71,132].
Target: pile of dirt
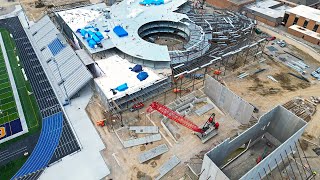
[153,164]
[142,148]
[260,87]
[143,176]
[304,144]
[287,83]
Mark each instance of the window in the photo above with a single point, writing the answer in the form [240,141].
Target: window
[305,23]
[315,28]
[285,18]
[295,20]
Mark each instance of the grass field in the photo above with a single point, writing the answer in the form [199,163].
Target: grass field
[27,99]
[10,169]
[8,109]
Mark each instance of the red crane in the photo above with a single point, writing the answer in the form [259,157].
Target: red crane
[164,110]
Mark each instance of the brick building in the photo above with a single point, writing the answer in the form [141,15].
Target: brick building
[269,12]
[229,4]
[303,21]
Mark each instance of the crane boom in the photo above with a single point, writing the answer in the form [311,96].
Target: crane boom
[164,110]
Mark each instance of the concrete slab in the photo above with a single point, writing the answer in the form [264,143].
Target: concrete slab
[144,129]
[168,166]
[143,140]
[204,109]
[152,153]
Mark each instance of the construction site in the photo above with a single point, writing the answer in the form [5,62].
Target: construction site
[170,132]
[171,89]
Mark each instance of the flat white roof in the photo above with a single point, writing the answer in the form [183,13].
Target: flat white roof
[131,16]
[305,31]
[306,11]
[266,8]
[116,72]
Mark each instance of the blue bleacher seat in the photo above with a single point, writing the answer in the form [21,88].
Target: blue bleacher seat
[47,143]
[55,46]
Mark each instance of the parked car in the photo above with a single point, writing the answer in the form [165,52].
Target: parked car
[281,43]
[258,31]
[315,75]
[271,38]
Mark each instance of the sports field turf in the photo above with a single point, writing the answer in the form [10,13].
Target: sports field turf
[8,109]
[27,99]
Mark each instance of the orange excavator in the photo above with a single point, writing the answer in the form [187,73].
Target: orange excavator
[101,123]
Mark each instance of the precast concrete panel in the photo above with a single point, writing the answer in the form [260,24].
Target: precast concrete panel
[278,122]
[285,124]
[270,161]
[247,111]
[236,101]
[229,102]
[224,92]
[209,169]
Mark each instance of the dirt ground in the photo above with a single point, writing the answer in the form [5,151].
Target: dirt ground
[258,90]
[265,94]
[33,9]
[123,162]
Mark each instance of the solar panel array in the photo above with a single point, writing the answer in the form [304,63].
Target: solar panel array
[45,96]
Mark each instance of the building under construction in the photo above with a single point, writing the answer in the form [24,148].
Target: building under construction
[148,76]
[265,147]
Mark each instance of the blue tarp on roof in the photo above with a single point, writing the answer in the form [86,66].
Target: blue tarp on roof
[137,68]
[120,31]
[151,2]
[100,36]
[142,75]
[83,32]
[92,43]
[96,39]
[88,27]
[90,32]
[122,87]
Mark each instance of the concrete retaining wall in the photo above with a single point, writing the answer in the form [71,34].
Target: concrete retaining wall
[279,123]
[229,102]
